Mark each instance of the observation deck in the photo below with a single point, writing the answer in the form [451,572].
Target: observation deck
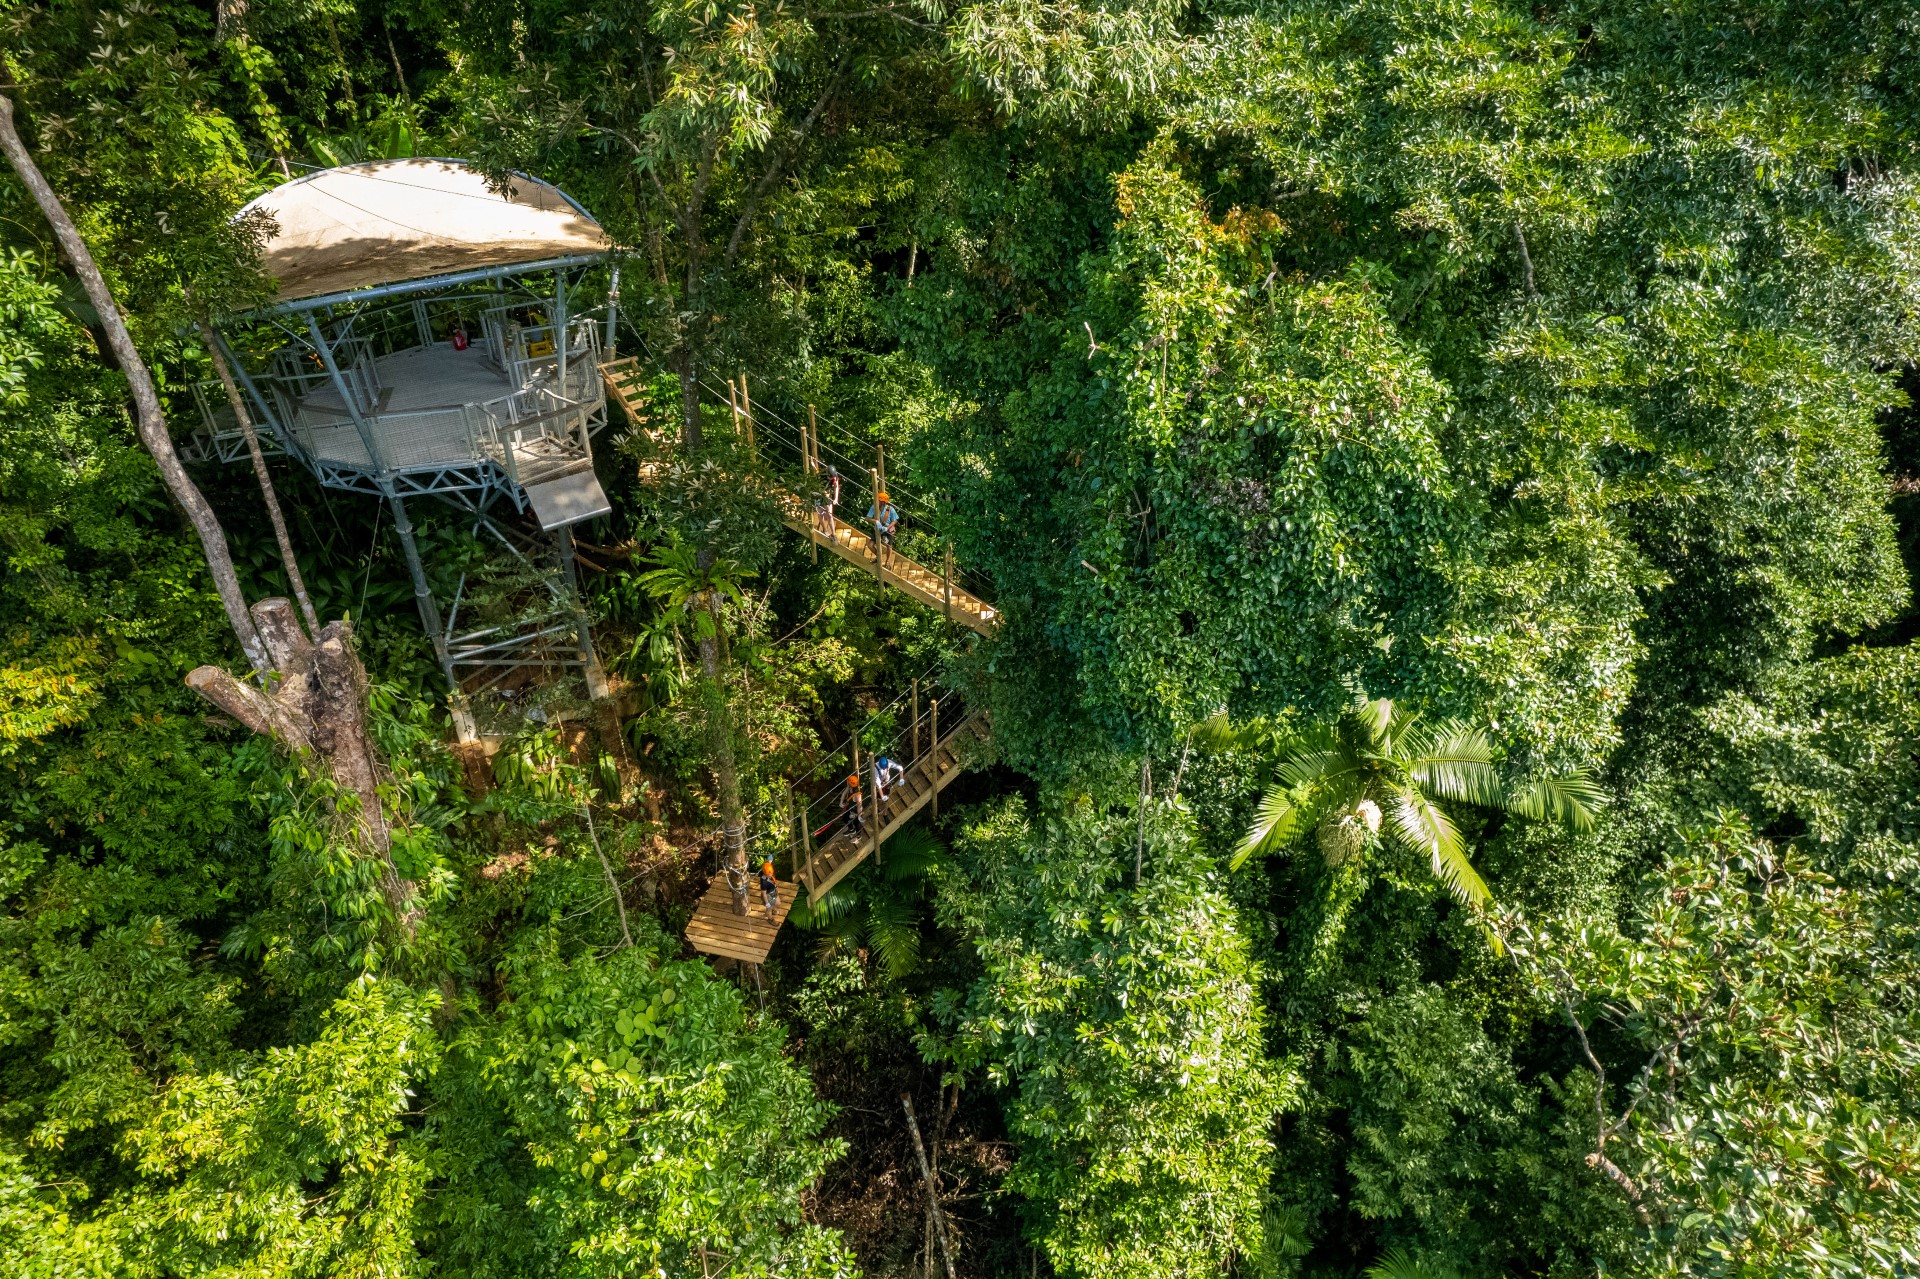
[499,418]
[426,340]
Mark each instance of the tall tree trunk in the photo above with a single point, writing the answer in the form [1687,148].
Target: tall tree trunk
[148,419]
[318,702]
[260,473]
[726,774]
[316,696]
[685,369]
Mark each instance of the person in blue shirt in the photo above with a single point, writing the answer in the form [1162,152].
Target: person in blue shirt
[886,518]
[769,890]
[885,773]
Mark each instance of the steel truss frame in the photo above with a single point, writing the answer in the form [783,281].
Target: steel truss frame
[556,636]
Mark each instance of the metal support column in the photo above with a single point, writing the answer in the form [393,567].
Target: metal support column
[613,314]
[430,617]
[360,423]
[560,341]
[596,677]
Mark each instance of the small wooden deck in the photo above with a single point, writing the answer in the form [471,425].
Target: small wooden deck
[716,930]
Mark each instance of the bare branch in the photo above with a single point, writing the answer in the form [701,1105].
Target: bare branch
[1620,1179]
[779,160]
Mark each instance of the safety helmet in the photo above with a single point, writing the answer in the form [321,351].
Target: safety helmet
[883,496]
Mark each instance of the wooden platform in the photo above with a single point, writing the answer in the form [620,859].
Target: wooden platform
[716,930]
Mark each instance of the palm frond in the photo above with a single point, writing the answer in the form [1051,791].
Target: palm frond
[1277,821]
[1217,732]
[821,913]
[1423,825]
[1400,722]
[1308,769]
[1398,1263]
[1376,715]
[893,932]
[910,854]
[1454,761]
[1570,799]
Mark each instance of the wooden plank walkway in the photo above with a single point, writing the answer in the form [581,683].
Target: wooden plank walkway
[915,580]
[716,930]
[624,381]
[925,778]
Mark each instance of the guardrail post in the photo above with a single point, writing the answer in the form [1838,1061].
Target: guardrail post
[936,760]
[916,721]
[946,578]
[806,846]
[873,537]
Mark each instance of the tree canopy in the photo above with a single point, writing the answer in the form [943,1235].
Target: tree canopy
[1447,485]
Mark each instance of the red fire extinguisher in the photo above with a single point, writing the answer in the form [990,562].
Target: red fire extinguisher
[460,339]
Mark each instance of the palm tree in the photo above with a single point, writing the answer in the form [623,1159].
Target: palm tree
[1378,771]
[696,584]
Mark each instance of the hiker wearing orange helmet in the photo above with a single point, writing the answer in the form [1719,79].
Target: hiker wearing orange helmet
[886,518]
[769,890]
[853,807]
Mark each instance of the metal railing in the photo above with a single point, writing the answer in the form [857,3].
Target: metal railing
[537,427]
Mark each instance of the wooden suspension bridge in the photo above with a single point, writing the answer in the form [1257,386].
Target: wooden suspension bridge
[625,384]
[715,929]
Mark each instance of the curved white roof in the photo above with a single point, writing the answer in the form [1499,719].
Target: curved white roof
[391,221]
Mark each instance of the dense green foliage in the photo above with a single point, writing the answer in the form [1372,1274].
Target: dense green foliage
[1540,368]
[1127,1019]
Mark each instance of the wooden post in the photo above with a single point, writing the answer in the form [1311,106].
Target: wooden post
[876,824]
[746,410]
[733,404]
[812,460]
[916,721]
[880,463]
[936,759]
[873,534]
[946,581]
[806,845]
